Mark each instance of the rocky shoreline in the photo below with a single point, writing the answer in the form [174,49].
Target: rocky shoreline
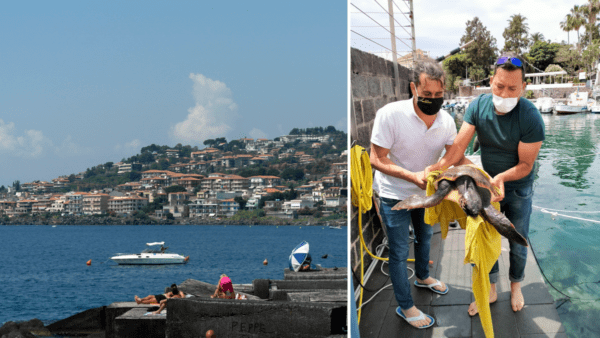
[108,220]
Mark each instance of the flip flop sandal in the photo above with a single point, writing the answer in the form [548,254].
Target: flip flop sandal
[432,287]
[421,316]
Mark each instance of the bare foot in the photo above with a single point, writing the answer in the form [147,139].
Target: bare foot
[138,300]
[431,280]
[155,312]
[414,312]
[516,297]
[493,298]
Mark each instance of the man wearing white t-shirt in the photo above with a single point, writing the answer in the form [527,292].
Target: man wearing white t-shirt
[407,137]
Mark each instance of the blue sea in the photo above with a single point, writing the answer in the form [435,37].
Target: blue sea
[44,273]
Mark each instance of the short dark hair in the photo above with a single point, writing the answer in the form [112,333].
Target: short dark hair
[174,289]
[508,65]
[432,69]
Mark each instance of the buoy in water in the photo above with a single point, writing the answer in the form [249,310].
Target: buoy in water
[210,334]
[265,262]
[187,258]
[324,256]
[89,262]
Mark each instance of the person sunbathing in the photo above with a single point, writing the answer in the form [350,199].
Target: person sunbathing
[157,299]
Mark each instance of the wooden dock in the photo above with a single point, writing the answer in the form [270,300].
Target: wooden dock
[539,317]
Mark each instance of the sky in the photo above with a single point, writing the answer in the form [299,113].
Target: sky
[439,24]
[88,82]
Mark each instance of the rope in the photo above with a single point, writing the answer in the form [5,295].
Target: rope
[554,214]
[362,193]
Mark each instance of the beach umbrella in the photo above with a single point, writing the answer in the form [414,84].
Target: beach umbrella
[298,256]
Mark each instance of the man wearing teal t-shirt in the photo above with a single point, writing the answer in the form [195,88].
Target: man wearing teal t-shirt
[510,130]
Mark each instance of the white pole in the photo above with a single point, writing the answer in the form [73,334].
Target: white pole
[394,54]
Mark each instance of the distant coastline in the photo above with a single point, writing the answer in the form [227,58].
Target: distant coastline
[107,220]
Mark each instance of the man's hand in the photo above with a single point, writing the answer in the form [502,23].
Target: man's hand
[420,179]
[498,187]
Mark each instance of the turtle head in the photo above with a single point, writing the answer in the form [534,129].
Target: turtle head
[471,204]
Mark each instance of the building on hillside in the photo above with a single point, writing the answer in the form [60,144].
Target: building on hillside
[228,207]
[203,208]
[95,204]
[126,205]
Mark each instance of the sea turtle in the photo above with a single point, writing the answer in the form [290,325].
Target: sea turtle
[474,194]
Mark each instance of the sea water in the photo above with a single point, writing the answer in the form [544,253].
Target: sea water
[565,222]
[44,274]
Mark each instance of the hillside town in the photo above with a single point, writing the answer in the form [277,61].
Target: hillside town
[296,176]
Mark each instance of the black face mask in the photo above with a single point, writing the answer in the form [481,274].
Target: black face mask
[429,106]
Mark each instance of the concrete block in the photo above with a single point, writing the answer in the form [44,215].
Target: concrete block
[83,323]
[134,323]
[310,284]
[117,309]
[356,61]
[360,89]
[369,110]
[325,273]
[253,319]
[358,112]
[374,86]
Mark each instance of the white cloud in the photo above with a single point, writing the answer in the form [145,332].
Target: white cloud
[257,133]
[31,144]
[212,115]
[69,148]
[342,124]
[133,145]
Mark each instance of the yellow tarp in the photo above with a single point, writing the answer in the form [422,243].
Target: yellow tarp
[482,245]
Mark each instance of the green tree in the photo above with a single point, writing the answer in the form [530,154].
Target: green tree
[577,20]
[175,188]
[483,50]
[241,202]
[543,53]
[590,55]
[567,26]
[108,165]
[17,185]
[134,176]
[569,59]
[535,37]
[515,35]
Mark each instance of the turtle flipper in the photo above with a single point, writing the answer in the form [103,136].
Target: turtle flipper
[502,224]
[418,201]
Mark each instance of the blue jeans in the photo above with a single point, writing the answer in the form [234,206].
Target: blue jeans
[397,225]
[517,207]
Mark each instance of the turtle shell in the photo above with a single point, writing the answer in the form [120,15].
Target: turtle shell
[472,171]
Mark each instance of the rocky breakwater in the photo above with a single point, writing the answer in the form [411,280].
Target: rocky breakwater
[28,329]
[108,220]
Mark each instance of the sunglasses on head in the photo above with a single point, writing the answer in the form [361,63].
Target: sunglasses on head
[513,61]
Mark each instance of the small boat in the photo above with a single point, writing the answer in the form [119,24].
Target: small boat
[151,256]
[595,106]
[578,103]
[545,105]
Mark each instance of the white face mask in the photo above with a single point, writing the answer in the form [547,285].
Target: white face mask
[504,105]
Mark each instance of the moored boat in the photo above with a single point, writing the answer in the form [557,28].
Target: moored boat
[151,256]
[577,103]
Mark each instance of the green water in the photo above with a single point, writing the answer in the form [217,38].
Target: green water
[568,181]
[568,249]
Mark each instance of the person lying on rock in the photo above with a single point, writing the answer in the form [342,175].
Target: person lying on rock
[157,299]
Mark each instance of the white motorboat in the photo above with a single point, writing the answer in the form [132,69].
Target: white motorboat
[151,256]
[545,105]
[578,103]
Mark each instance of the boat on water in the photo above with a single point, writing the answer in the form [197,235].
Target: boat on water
[577,103]
[153,255]
[545,105]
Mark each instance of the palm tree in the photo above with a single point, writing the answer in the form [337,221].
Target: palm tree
[578,19]
[535,37]
[567,26]
[590,11]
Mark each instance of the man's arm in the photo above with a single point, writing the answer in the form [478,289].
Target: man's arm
[457,150]
[527,154]
[381,162]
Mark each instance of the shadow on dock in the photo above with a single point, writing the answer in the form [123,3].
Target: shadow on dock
[539,317]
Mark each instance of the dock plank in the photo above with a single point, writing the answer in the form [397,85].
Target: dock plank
[539,317]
